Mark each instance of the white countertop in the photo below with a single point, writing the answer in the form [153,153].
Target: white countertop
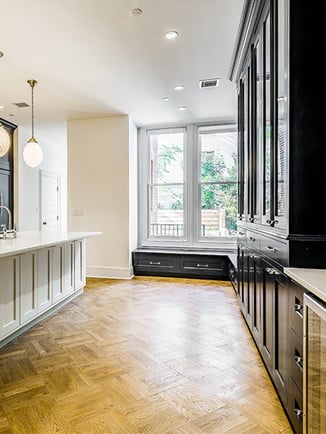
[31,240]
[314,280]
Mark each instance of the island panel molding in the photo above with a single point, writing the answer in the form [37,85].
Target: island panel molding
[39,273]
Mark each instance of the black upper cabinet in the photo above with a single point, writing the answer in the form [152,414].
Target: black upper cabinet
[281,110]
[6,175]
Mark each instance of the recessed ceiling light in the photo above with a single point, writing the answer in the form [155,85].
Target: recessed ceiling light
[135,12]
[172,34]
[179,87]
[1,107]
[182,108]
[166,98]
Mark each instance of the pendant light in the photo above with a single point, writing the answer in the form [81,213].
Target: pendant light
[32,152]
[4,141]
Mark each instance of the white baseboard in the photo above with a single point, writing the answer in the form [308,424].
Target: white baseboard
[109,272]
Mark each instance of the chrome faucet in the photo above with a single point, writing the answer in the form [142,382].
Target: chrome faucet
[9,216]
[10,229]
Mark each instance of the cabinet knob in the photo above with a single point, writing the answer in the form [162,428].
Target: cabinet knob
[298,361]
[298,309]
[298,412]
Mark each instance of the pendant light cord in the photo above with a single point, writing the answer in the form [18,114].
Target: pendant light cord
[32,83]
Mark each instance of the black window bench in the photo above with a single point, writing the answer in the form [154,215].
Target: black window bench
[185,263]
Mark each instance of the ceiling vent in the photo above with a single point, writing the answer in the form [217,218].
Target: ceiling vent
[211,82]
[21,104]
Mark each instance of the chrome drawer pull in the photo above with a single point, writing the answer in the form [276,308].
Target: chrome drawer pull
[154,263]
[202,265]
[271,248]
[272,271]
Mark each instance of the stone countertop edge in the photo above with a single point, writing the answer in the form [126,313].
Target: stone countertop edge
[312,279]
[31,240]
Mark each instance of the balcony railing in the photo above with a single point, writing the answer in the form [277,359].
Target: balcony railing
[177,230]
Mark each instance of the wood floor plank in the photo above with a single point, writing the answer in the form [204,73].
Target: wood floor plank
[149,355]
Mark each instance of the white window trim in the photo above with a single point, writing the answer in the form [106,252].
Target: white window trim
[192,238]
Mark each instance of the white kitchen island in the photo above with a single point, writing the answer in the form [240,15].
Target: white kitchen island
[39,272]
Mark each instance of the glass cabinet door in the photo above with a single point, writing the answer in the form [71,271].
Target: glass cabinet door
[267,125]
[241,155]
[258,127]
[280,115]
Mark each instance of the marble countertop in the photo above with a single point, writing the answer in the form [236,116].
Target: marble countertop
[31,240]
[312,279]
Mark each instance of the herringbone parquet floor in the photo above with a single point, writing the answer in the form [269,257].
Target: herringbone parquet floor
[150,355]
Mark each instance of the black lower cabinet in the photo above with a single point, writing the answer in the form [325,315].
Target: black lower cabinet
[295,356]
[272,308]
[275,325]
[208,266]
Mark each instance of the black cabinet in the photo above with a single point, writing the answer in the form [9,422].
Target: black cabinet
[281,171]
[295,355]
[6,174]
[280,110]
[177,263]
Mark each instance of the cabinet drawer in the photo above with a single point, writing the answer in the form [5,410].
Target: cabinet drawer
[296,359]
[204,265]
[296,309]
[274,249]
[295,407]
[153,261]
[253,240]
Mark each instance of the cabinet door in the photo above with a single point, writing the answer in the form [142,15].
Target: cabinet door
[243,276]
[44,294]
[241,152]
[281,110]
[57,275]
[281,330]
[275,326]
[68,270]
[256,297]
[267,314]
[267,155]
[28,286]
[9,295]
[79,264]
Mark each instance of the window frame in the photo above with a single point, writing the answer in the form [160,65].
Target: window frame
[192,182]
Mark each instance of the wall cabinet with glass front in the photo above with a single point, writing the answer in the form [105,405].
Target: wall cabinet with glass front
[280,124]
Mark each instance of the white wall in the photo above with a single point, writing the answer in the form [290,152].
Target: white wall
[133,189]
[53,140]
[99,183]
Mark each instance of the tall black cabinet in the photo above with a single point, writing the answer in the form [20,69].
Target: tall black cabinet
[7,175]
[282,173]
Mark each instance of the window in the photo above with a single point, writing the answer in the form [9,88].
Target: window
[188,186]
[166,184]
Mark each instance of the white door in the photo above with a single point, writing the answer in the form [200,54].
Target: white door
[50,201]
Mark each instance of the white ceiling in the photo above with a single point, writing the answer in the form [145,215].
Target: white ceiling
[93,58]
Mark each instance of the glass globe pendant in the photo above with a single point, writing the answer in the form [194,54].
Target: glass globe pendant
[4,141]
[32,153]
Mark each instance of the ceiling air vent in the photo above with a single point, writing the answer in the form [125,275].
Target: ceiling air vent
[211,82]
[21,104]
